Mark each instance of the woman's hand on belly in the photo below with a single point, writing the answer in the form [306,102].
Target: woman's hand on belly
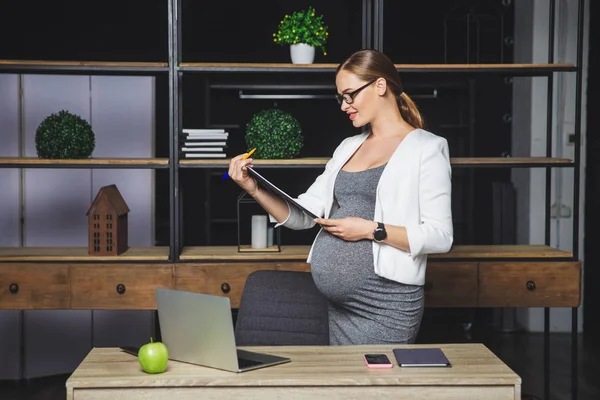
[348,228]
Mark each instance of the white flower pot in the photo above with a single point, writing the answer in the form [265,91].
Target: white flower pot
[302,53]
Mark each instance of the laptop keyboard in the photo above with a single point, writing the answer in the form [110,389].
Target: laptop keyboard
[245,363]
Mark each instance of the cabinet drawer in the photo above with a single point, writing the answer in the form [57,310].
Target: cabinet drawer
[224,279]
[34,286]
[530,284]
[114,287]
[451,284]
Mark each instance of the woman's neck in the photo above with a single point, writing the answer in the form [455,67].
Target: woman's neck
[389,124]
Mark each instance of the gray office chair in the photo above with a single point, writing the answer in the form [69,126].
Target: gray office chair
[279,308]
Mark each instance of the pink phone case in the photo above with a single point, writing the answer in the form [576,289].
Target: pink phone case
[390,365]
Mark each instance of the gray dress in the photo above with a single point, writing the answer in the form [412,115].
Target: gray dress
[364,308]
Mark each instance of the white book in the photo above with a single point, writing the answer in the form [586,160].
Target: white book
[205,155]
[203,143]
[211,136]
[206,133]
[210,149]
[202,131]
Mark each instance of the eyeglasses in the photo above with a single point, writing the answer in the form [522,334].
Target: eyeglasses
[349,97]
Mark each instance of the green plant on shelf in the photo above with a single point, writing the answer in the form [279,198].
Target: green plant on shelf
[275,134]
[64,135]
[302,27]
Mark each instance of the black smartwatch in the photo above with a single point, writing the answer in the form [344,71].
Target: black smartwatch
[379,234]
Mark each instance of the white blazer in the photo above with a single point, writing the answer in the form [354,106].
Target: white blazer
[414,191]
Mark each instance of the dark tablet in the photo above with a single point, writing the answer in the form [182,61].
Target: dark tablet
[274,189]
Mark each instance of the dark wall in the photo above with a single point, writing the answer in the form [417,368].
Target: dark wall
[116,30]
[473,113]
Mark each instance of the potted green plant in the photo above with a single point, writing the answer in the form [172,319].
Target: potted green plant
[303,31]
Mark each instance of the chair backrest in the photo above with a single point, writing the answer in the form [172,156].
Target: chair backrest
[281,308]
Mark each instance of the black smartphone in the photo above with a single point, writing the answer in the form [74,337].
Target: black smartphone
[377,361]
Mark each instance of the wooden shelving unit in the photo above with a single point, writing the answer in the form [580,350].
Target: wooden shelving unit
[471,275]
[230,253]
[66,254]
[462,252]
[123,66]
[191,163]
[457,162]
[32,162]
[485,252]
[299,253]
[511,162]
[44,66]
[513,69]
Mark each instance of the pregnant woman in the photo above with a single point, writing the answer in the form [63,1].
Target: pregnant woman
[384,201]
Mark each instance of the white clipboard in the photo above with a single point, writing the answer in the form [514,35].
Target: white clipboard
[279,192]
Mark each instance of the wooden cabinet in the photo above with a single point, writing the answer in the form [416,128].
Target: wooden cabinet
[118,287]
[88,286]
[530,284]
[25,286]
[224,279]
[451,284]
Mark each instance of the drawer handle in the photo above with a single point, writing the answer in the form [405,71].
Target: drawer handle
[225,287]
[14,288]
[530,285]
[121,288]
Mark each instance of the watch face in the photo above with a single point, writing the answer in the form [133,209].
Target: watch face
[379,234]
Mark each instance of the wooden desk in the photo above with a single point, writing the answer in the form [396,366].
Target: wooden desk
[330,372]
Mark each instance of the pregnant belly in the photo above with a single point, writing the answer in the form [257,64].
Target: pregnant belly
[341,269]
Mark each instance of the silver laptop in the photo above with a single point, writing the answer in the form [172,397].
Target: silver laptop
[197,328]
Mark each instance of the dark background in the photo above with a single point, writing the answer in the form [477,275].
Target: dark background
[472,112]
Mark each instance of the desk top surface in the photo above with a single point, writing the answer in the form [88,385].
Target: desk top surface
[472,364]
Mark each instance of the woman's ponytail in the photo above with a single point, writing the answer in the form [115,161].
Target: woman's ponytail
[409,111]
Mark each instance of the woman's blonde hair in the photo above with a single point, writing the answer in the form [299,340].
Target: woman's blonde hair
[372,64]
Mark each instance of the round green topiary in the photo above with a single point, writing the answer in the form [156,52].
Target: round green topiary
[64,135]
[275,134]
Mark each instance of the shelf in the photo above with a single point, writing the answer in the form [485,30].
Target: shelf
[503,252]
[512,162]
[95,67]
[152,163]
[228,253]
[80,254]
[467,252]
[117,163]
[297,253]
[511,69]
[224,163]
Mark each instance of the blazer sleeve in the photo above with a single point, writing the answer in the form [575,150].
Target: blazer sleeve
[434,233]
[315,197]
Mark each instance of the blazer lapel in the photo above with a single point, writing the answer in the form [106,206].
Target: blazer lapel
[399,156]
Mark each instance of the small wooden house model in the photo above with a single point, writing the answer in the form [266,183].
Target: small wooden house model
[107,223]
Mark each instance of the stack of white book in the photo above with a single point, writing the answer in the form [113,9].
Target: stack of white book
[203,143]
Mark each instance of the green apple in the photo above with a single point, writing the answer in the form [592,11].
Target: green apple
[153,357]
